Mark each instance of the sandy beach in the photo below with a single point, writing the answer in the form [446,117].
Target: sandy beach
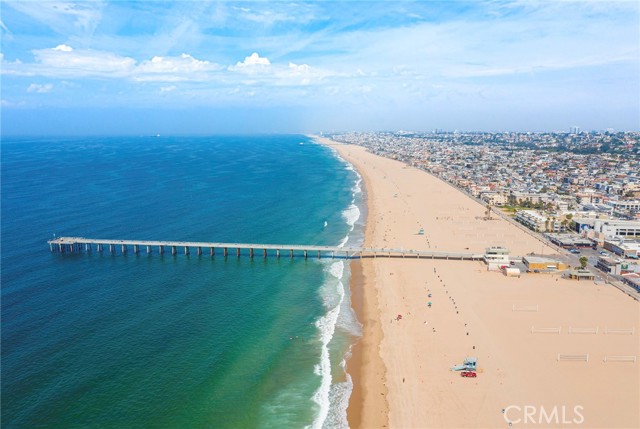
[401,368]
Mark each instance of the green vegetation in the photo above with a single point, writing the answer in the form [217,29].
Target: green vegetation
[583,262]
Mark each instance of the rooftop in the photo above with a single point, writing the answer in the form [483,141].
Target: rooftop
[540,259]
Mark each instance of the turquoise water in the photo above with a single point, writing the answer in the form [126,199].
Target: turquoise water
[116,341]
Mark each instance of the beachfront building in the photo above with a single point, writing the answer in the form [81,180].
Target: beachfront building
[612,229]
[569,240]
[535,221]
[521,198]
[609,265]
[531,219]
[496,257]
[583,225]
[494,198]
[632,279]
[543,263]
[624,248]
[580,275]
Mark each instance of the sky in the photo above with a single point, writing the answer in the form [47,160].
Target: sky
[204,67]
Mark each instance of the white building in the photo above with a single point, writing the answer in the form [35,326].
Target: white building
[622,206]
[496,257]
[538,222]
[494,198]
[611,228]
[626,249]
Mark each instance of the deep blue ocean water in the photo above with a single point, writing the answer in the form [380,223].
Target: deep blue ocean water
[118,341]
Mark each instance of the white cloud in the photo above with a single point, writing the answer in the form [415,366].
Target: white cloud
[299,69]
[252,63]
[184,67]
[66,62]
[168,88]
[264,73]
[63,60]
[40,89]
[63,48]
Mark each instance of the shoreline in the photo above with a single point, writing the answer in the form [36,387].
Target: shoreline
[473,315]
[368,405]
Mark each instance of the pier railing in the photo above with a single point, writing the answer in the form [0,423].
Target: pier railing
[81,244]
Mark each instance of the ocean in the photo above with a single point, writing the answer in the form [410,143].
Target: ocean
[186,341]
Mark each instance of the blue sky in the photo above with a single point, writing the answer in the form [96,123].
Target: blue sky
[178,67]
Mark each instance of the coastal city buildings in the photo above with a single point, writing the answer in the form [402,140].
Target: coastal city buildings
[580,189]
[544,180]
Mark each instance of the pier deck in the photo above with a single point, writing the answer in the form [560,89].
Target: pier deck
[81,244]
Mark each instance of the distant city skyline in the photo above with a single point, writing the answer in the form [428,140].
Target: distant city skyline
[207,67]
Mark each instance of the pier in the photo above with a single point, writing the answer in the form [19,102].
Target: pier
[87,245]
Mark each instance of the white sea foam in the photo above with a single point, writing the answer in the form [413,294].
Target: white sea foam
[339,394]
[336,269]
[351,214]
[357,188]
[340,320]
[343,241]
[326,326]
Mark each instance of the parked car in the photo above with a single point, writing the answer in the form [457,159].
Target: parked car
[468,374]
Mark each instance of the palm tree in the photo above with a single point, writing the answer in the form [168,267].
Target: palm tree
[488,212]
